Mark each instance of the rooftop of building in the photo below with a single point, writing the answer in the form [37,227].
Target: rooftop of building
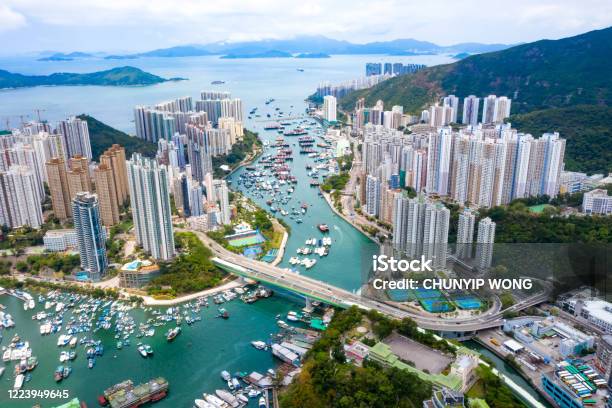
[141,266]
[599,309]
[598,192]
[58,232]
[579,381]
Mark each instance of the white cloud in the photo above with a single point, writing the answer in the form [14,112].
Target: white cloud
[165,23]
[10,19]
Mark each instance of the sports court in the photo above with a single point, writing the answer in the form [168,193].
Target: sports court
[248,238]
[466,301]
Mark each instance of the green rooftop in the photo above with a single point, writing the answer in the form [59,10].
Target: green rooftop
[73,403]
[382,353]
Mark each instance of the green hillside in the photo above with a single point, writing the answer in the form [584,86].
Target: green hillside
[103,136]
[121,76]
[543,74]
[587,128]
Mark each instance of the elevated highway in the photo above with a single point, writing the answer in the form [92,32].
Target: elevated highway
[326,293]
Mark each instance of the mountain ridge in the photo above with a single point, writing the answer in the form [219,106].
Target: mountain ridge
[310,44]
[539,75]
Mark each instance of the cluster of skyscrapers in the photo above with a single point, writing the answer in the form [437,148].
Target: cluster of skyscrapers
[388,68]
[494,110]
[35,155]
[92,195]
[477,166]
[216,114]
[343,88]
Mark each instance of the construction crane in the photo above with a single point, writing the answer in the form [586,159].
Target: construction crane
[38,112]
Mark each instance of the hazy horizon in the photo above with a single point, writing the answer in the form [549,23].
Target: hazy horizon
[116,26]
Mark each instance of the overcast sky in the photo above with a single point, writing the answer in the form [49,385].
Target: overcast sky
[138,25]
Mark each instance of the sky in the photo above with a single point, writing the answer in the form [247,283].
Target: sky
[139,25]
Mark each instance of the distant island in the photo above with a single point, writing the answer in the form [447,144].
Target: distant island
[313,55]
[410,53]
[265,54]
[60,56]
[461,55]
[121,76]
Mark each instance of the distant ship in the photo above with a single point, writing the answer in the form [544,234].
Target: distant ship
[217,82]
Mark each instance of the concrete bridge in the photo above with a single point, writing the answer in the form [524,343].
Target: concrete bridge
[329,294]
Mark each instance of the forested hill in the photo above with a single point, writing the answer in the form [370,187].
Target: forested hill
[103,136]
[121,76]
[587,128]
[543,74]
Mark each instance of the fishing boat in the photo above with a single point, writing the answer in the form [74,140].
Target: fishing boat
[18,382]
[66,372]
[172,333]
[142,351]
[228,398]
[216,402]
[58,375]
[293,316]
[200,403]
[223,313]
[31,364]
[226,375]
[323,227]
[253,392]
[258,344]
[262,403]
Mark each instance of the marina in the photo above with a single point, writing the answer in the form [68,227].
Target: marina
[191,363]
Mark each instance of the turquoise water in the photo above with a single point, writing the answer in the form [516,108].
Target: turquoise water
[193,361]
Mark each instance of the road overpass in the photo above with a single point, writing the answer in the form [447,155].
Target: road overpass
[326,293]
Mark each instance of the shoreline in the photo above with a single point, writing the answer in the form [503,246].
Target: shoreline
[150,301]
[345,218]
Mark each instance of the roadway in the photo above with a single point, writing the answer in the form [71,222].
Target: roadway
[326,293]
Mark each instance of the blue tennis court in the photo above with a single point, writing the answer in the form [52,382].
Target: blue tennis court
[467,302]
[436,305]
[422,293]
[400,295]
[252,251]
